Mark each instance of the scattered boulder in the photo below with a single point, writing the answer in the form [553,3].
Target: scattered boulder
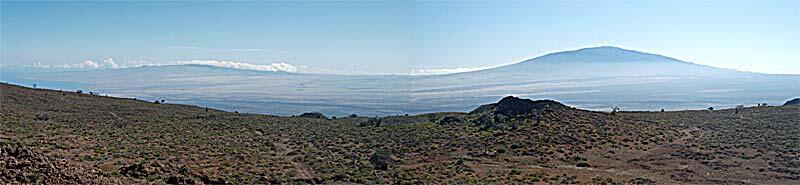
[795,101]
[315,115]
[179,180]
[135,171]
[583,164]
[213,180]
[371,122]
[448,120]
[641,181]
[41,117]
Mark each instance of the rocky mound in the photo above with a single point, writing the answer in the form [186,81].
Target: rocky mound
[795,101]
[315,115]
[512,106]
[21,164]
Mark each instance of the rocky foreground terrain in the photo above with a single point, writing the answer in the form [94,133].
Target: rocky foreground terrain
[56,137]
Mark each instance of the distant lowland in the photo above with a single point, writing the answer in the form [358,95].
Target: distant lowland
[591,78]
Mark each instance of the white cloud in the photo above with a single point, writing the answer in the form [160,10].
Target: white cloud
[139,63]
[284,67]
[86,64]
[109,63]
[38,65]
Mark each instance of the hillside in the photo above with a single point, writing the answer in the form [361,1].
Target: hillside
[71,138]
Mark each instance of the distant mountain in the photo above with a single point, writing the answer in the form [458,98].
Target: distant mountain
[602,77]
[608,54]
[592,78]
[597,62]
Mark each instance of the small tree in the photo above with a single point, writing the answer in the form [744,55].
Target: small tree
[381,160]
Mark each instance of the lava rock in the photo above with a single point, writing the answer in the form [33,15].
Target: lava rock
[641,181]
[512,106]
[448,120]
[795,101]
[179,180]
[315,115]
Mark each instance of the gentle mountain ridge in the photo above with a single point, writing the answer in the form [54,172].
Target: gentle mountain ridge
[602,54]
[622,78]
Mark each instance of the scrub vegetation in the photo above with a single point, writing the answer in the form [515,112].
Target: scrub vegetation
[58,137]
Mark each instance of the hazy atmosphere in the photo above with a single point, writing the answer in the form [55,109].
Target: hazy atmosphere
[394,37]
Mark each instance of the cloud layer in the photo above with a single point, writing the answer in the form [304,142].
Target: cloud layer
[111,64]
[87,64]
[283,67]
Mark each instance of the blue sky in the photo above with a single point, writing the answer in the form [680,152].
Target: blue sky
[380,37]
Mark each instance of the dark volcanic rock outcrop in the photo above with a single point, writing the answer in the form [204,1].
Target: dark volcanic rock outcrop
[795,101]
[512,106]
[315,115]
[449,120]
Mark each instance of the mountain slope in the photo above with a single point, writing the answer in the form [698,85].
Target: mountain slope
[605,61]
[604,77]
[591,78]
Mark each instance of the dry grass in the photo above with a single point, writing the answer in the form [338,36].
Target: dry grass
[137,141]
